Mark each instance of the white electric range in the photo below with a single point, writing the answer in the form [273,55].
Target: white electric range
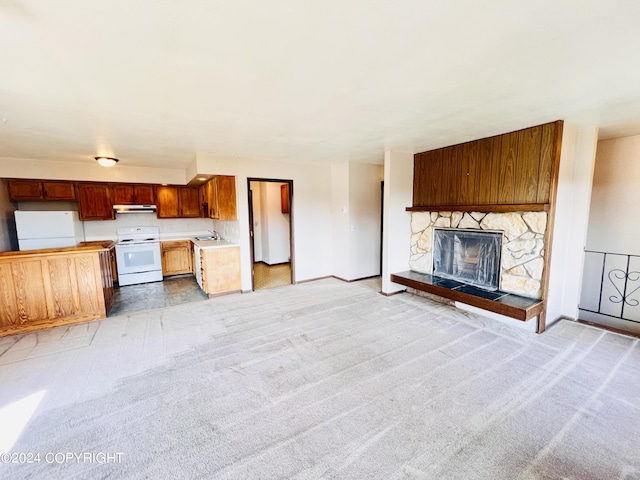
[138,255]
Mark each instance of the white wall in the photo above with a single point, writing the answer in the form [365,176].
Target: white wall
[364,219]
[276,237]
[615,199]
[340,212]
[355,207]
[571,220]
[22,168]
[311,210]
[398,194]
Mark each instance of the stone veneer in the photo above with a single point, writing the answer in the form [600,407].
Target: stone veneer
[522,260]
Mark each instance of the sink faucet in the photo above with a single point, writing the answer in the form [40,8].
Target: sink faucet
[214,234]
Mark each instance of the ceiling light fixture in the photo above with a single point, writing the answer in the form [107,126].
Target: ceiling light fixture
[107,161]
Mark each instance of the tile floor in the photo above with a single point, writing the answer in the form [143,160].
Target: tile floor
[149,296]
[269,276]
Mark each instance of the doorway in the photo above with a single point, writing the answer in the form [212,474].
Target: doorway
[270,230]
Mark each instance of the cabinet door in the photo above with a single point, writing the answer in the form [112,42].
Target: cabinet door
[227,197]
[189,204]
[25,190]
[221,270]
[58,190]
[212,197]
[94,201]
[167,202]
[176,257]
[122,194]
[143,194]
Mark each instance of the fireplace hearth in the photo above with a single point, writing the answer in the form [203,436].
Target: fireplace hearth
[469,256]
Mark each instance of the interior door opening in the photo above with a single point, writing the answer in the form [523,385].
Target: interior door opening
[270,227]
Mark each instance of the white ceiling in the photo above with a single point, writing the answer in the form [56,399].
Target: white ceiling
[155,82]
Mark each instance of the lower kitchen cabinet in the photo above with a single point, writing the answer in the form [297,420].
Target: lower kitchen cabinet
[51,287]
[220,270]
[176,257]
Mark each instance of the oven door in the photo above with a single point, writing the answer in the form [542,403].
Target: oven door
[138,258]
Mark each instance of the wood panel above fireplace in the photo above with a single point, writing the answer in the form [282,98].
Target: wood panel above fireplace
[510,172]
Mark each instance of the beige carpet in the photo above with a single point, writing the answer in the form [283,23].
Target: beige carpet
[332,380]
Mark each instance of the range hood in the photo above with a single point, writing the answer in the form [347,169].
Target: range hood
[134,208]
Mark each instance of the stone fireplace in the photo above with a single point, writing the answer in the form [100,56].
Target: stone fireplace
[469,256]
[521,258]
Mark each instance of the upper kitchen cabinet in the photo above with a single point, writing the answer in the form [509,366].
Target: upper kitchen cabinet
[35,190]
[94,201]
[226,197]
[53,190]
[177,202]
[125,194]
[221,193]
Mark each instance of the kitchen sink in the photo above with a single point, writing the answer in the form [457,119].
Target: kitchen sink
[206,238]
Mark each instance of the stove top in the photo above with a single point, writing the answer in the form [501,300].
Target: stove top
[138,235]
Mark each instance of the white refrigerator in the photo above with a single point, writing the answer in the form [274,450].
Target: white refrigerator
[48,229]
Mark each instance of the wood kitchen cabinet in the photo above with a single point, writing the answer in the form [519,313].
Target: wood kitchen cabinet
[53,190]
[51,287]
[176,257]
[25,190]
[226,197]
[177,202]
[126,194]
[94,201]
[220,270]
[221,196]
[35,190]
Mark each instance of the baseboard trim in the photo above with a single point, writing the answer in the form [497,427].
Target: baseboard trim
[609,329]
[312,279]
[392,293]
[355,279]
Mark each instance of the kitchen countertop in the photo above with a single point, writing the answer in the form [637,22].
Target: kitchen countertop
[98,243]
[201,243]
[213,243]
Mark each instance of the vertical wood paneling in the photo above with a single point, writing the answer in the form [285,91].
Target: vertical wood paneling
[527,165]
[471,154]
[61,287]
[8,305]
[510,169]
[447,176]
[462,169]
[30,291]
[549,133]
[86,271]
[508,154]
[421,194]
[496,152]
[482,192]
[435,177]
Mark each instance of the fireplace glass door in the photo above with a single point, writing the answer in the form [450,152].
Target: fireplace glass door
[469,256]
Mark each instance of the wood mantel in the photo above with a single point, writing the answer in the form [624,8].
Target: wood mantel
[526,207]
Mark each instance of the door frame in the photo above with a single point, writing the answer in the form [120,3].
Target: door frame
[251,235]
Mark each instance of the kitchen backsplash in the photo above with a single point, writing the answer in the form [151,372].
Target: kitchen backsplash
[229,229]
[106,229]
